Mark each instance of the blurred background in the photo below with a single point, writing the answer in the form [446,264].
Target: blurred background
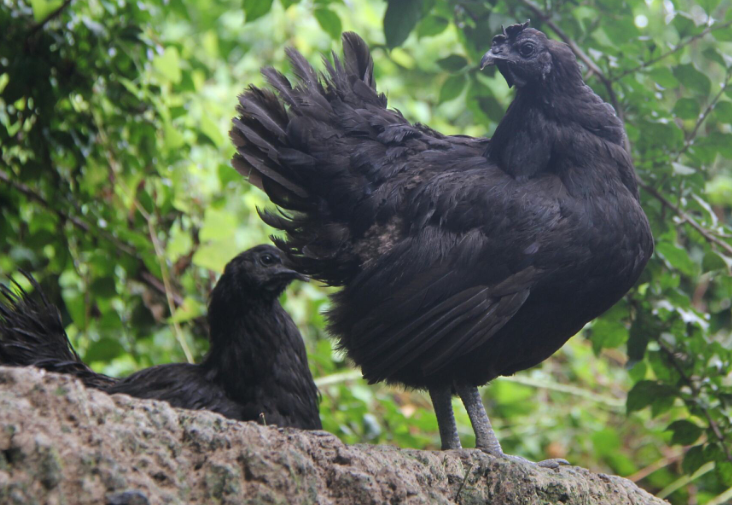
[116,191]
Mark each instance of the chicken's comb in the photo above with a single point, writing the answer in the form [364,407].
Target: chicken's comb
[511,32]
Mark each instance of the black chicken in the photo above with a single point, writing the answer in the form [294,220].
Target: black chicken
[462,259]
[256,368]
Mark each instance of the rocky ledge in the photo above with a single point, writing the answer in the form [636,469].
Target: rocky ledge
[61,443]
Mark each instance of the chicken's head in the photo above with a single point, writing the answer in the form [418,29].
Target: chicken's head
[522,54]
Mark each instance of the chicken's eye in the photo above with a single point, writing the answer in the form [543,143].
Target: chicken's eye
[267,259]
[527,49]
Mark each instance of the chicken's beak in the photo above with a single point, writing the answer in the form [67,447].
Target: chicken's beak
[284,273]
[489,58]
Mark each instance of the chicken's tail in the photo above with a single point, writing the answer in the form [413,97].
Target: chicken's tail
[302,147]
[32,334]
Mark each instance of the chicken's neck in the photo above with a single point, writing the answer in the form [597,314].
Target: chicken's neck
[522,144]
[244,332]
[554,129]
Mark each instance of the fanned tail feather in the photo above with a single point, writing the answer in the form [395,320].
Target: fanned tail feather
[32,334]
[299,154]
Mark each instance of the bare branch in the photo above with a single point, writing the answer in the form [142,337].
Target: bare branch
[160,253]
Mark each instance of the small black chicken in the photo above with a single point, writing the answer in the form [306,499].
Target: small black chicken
[256,368]
[461,259]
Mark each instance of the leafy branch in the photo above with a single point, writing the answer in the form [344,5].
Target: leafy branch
[709,29]
[146,277]
[686,218]
[696,393]
[703,116]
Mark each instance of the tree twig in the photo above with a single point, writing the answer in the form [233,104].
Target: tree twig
[615,403]
[686,479]
[167,287]
[722,498]
[654,467]
[168,290]
[154,282]
[708,236]
[703,116]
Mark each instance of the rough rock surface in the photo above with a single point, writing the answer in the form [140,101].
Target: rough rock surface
[63,444]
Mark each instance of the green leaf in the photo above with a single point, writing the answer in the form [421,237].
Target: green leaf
[713,55]
[608,333]
[723,143]
[620,28]
[713,261]
[686,108]
[719,190]
[217,224]
[691,78]
[105,349]
[684,432]
[43,8]
[491,108]
[643,329]
[684,24]
[661,404]
[211,130]
[664,77]
[723,35]
[714,452]
[215,255]
[400,18]
[172,138]
[677,257]
[606,442]
[431,26]
[452,63]
[179,243]
[452,87]
[693,459]
[168,64]
[680,169]
[723,112]
[723,469]
[329,22]
[255,9]
[641,396]
[104,287]
[190,309]
[645,393]
[709,5]
[286,4]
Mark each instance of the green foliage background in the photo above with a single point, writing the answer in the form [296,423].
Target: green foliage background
[116,191]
